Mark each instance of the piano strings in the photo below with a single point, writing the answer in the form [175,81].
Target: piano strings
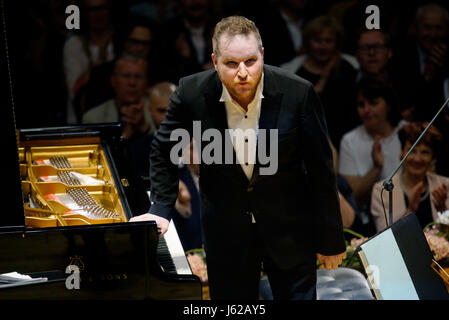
[79,194]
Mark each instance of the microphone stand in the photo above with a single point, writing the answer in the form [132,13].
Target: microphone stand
[388,183]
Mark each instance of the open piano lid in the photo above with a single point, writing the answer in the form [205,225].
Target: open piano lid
[15,217]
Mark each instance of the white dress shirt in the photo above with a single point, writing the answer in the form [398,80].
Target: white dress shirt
[245,139]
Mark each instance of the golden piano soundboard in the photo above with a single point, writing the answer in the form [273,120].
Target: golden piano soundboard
[68,185]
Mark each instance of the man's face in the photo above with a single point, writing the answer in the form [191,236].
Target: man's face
[239,66]
[372,53]
[139,41]
[129,81]
[431,29]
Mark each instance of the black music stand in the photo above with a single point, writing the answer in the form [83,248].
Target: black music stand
[398,263]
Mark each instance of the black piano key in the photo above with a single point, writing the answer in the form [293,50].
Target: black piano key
[164,257]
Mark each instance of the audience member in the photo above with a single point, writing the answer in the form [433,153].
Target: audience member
[159,99]
[330,71]
[130,105]
[92,46]
[373,54]
[422,61]
[370,152]
[417,188]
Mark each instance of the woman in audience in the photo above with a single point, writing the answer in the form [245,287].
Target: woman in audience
[370,152]
[331,72]
[416,186]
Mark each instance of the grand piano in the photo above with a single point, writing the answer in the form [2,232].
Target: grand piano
[116,259]
[68,194]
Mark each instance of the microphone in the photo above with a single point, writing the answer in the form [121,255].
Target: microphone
[388,183]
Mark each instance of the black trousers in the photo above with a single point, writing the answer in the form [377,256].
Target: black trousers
[238,278]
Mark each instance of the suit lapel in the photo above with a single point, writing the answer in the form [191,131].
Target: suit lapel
[269,113]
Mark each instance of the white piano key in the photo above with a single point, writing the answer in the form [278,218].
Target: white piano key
[176,250]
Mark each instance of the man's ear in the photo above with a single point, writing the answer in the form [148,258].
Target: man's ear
[214,60]
[263,51]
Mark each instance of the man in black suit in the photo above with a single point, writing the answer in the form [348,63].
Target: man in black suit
[284,219]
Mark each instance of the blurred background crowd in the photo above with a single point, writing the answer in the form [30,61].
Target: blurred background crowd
[378,88]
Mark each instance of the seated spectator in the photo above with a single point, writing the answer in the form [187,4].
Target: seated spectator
[331,72]
[87,49]
[371,151]
[159,100]
[416,187]
[373,54]
[130,105]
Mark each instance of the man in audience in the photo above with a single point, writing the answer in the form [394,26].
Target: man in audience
[423,62]
[159,99]
[130,105]
[373,53]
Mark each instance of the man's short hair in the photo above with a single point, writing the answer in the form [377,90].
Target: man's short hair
[232,26]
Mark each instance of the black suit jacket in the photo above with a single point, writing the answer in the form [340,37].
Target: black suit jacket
[296,209]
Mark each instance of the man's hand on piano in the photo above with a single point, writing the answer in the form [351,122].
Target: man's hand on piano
[162,223]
